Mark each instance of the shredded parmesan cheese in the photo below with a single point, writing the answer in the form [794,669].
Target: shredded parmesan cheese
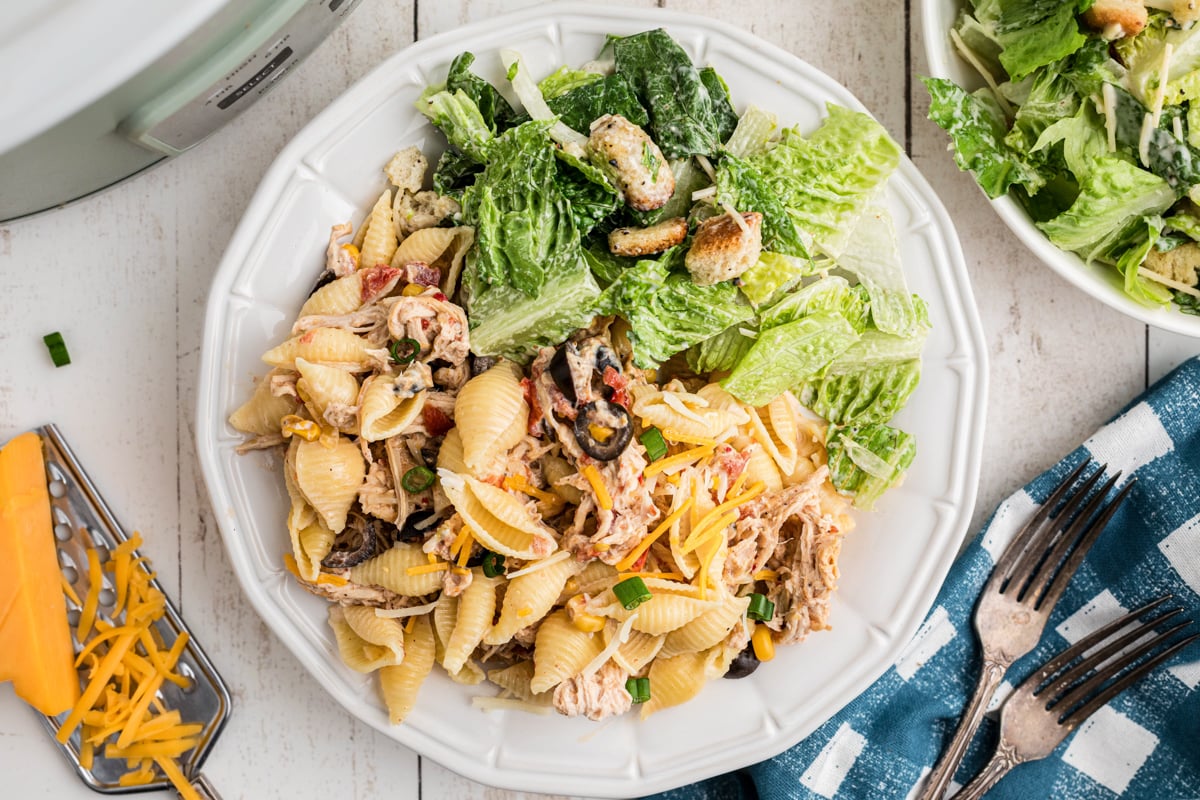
[1109,106]
[675,403]
[1165,281]
[969,56]
[1164,77]
[398,613]
[704,194]
[561,555]
[1144,138]
[613,646]
[707,166]
[510,704]
[736,216]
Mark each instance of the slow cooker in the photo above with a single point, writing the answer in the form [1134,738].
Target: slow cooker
[95,91]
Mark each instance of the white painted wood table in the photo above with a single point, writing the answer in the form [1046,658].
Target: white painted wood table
[125,276]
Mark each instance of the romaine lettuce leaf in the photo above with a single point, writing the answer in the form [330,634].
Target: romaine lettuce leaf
[1113,194]
[718,92]
[1169,158]
[667,312]
[455,171]
[505,321]
[458,117]
[832,294]
[754,132]
[976,125]
[688,178]
[721,352]
[773,274]
[1142,239]
[869,382]
[606,266]
[593,198]
[744,187]
[1051,97]
[867,460]
[682,118]
[786,355]
[1035,33]
[524,226]
[1144,56]
[826,180]
[1185,222]
[873,257]
[564,79]
[494,109]
[582,106]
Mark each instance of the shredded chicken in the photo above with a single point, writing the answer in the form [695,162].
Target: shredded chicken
[338,260]
[455,583]
[597,696]
[414,211]
[357,594]
[370,322]
[377,495]
[283,383]
[442,537]
[436,324]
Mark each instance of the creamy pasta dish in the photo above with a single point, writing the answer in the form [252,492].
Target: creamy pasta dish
[583,411]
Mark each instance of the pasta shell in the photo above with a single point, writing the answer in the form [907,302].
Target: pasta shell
[708,629]
[685,413]
[375,629]
[450,455]
[515,681]
[674,681]
[635,652]
[329,478]
[379,243]
[326,387]
[760,468]
[476,607]
[774,427]
[333,347]
[491,415]
[443,248]
[445,618]
[561,651]
[498,520]
[383,412]
[390,568]
[530,597]
[671,605]
[309,545]
[339,296]
[301,514]
[260,414]
[357,653]
[399,684]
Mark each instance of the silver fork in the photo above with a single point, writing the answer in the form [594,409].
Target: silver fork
[1054,700]
[1018,598]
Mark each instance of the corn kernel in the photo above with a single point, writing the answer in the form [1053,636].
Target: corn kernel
[412,290]
[306,429]
[352,251]
[764,645]
[600,433]
[580,618]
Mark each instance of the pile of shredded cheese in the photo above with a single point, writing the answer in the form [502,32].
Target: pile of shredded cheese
[119,714]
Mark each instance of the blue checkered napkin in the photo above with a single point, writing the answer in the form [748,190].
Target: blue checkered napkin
[1144,745]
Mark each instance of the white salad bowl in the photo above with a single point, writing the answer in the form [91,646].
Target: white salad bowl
[892,564]
[1101,281]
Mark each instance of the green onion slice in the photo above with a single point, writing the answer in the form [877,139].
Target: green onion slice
[404,351]
[417,479]
[760,608]
[639,689]
[493,564]
[656,446]
[58,349]
[631,593]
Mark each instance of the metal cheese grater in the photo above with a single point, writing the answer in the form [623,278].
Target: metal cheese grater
[81,520]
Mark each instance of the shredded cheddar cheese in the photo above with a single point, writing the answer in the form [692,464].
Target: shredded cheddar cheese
[126,663]
[693,539]
[766,575]
[675,436]
[323,579]
[644,545]
[603,498]
[677,460]
[425,569]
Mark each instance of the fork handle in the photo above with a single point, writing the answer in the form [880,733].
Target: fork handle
[939,778]
[1004,759]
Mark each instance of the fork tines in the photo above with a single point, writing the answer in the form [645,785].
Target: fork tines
[1037,566]
[1099,666]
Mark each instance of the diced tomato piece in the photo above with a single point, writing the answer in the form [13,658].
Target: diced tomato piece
[375,280]
[436,421]
[618,383]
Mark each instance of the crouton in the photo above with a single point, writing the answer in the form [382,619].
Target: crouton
[1183,11]
[407,170]
[631,158]
[1179,264]
[413,212]
[1117,19]
[644,241]
[722,249]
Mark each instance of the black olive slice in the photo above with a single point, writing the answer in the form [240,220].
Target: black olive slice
[560,371]
[743,664]
[326,278]
[605,357]
[353,546]
[481,364]
[603,430]
[416,527]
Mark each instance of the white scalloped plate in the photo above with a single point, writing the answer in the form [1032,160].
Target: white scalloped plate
[892,565]
[1098,280]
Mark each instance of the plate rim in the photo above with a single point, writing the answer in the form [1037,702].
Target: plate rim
[1090,279]
[973,374]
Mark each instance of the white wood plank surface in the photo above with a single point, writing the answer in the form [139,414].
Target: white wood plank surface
[125,277]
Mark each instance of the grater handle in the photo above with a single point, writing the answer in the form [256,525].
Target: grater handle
[204,788]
